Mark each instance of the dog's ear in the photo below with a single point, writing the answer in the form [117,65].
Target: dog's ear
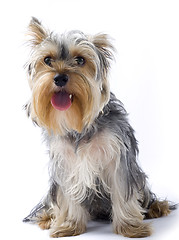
[104,49]
[37,32]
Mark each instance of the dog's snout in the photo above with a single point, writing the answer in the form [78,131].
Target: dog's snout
[60,80]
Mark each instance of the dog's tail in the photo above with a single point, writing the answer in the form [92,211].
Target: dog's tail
[35,214]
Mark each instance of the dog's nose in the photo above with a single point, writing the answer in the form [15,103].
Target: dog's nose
[60,80]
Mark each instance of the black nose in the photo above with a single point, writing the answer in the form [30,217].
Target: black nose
[60,80]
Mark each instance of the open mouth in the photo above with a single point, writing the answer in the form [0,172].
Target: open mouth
[62,100]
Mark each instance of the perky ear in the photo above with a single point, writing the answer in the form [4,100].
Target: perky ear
[37,32]
[104,48]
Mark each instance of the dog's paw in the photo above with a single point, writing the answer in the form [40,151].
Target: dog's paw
[67,229]
[45,223]
[134,231]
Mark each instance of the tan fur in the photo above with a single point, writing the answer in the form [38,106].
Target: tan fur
[68,229]
[128,215]
[102,42]
[45,222]
[75,187]
[128,219]
[76,169]
[135,230]
[158,209]
[89,96]
[87,99]
[70,219]
[37,32]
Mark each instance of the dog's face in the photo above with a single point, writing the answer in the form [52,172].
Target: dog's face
[68,78]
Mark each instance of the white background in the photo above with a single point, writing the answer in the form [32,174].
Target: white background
[145,77]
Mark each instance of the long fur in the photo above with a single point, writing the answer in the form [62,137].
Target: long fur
[93,151]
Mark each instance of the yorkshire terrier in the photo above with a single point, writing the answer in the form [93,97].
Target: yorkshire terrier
[94,172]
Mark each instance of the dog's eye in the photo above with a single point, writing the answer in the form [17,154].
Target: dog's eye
[48,61]
[80,60]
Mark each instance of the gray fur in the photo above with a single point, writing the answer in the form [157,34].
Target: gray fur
[114,118]
[78,38]
[97,196]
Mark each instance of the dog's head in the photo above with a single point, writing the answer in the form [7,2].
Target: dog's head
[68,78]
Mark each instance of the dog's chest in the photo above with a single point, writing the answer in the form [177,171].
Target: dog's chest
[97,152]
[81,167]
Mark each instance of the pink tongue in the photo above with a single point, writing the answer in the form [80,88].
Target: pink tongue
[61,100]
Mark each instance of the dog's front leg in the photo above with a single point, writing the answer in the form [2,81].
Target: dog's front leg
[70,218]
[127,214]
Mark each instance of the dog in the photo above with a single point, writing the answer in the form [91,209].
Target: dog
[93,152]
